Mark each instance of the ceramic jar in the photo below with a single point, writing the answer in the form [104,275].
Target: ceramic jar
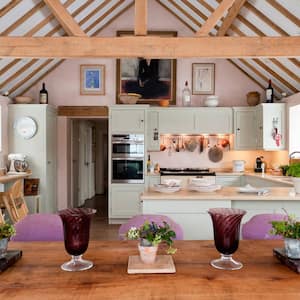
[148,254]
[211,101]
[292,248]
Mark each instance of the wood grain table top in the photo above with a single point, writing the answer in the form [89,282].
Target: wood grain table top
[37,275]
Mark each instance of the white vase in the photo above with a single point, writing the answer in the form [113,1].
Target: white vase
[292,248]
[296,181]
[148,254]
[3,247]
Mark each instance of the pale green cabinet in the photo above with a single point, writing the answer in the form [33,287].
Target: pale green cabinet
[127,120]
[153,134]
[176,120]
[124,200]
[232,180]
[245,128]
[213,120]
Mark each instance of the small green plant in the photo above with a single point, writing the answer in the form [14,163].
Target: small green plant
[284,169]
[152,234]
[294,170]
[7,231]
[289,228]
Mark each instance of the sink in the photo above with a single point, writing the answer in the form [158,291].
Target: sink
[283,178]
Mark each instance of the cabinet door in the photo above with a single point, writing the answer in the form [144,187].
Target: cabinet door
[245,128]
[229,180]
[125,200]
[151,180]
[259,127]
[213,120]
[273,123]
[126,120]
[176,121]
[153,140]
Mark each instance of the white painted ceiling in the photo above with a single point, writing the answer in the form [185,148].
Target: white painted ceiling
[256,18]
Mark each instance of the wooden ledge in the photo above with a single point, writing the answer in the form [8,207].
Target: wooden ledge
[82,111]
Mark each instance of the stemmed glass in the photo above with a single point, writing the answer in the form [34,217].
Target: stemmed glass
[226,223]
[76,224]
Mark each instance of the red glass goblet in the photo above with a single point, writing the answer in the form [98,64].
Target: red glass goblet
[76,224]
[226,223]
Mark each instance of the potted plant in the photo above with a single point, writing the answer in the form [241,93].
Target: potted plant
[294,170]
[6,231]
[289,229]
[150,236]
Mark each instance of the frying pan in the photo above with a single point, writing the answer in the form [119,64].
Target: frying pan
[215,153]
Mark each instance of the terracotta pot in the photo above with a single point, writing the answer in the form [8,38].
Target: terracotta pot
[253,98]
[148,254]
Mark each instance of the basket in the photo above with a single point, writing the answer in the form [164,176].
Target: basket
[129,98]
[23,99]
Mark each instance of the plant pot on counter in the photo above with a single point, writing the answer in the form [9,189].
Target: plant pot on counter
[292,248]
[148,254]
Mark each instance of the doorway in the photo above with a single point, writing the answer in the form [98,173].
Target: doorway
[89,164]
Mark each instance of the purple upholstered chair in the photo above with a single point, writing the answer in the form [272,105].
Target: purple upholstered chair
[259,226]
[39,227]
[139,220]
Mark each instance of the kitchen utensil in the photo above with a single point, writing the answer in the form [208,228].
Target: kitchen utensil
[201,144]
[177,144]
[225,143]
[162,145]
[191,145]
[215,153]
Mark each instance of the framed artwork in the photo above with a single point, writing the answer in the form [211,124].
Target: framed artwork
[154,79]
[203,79]
[92,79]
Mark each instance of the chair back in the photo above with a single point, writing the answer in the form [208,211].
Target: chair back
[139,220]
[39,227]
[259,226]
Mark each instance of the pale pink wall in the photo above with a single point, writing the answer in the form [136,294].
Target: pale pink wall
[63,85]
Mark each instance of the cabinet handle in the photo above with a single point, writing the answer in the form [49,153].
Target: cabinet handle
[238,129]
[142,120]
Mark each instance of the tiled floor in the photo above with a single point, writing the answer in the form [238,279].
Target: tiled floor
[100,229]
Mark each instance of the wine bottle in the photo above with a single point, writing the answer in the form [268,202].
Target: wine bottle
[269,93]
[149,164]
[186,95]
[43,95]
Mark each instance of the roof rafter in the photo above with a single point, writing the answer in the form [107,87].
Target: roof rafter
[64,18]
[140,17]
[232,13]
[215,17]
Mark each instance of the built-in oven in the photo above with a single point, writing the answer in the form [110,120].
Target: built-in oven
[128,145]
[127,158]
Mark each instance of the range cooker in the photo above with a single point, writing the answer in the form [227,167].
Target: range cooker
[186,175]
[186,171]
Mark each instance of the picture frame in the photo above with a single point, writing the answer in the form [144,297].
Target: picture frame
[92,79]
[203,78]
[154,79]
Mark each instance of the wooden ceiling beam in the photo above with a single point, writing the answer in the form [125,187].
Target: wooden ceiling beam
[215,17]
[140,17]
[232,13]
[151,46]
[8,7]
[64,18]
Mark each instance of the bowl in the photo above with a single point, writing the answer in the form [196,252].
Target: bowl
[164,102]
[23,99]
[172,182]
[129,98]
[211,101]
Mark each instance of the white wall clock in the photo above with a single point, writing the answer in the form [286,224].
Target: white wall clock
[26,127]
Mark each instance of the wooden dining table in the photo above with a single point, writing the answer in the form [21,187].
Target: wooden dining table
[37,275]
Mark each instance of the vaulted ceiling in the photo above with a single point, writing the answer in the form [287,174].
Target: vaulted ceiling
[239,18]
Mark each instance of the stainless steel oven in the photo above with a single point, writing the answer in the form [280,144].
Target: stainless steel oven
[127,158]
[128,145]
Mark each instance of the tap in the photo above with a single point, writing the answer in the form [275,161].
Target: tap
[291,154]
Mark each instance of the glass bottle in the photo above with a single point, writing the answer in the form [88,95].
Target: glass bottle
[269,93]
[186,95]
[148,164]
[43,95]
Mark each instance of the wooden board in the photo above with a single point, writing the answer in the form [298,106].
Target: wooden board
[11,257]
[293,264]
[162,264]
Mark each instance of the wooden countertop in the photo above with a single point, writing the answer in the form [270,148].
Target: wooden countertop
[9,178]
[226,193]
[38,275]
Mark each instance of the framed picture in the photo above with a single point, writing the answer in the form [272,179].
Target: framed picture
[203,79]
[92,79]
[154,79]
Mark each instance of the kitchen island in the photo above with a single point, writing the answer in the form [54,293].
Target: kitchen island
[37,275]
[189,208]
